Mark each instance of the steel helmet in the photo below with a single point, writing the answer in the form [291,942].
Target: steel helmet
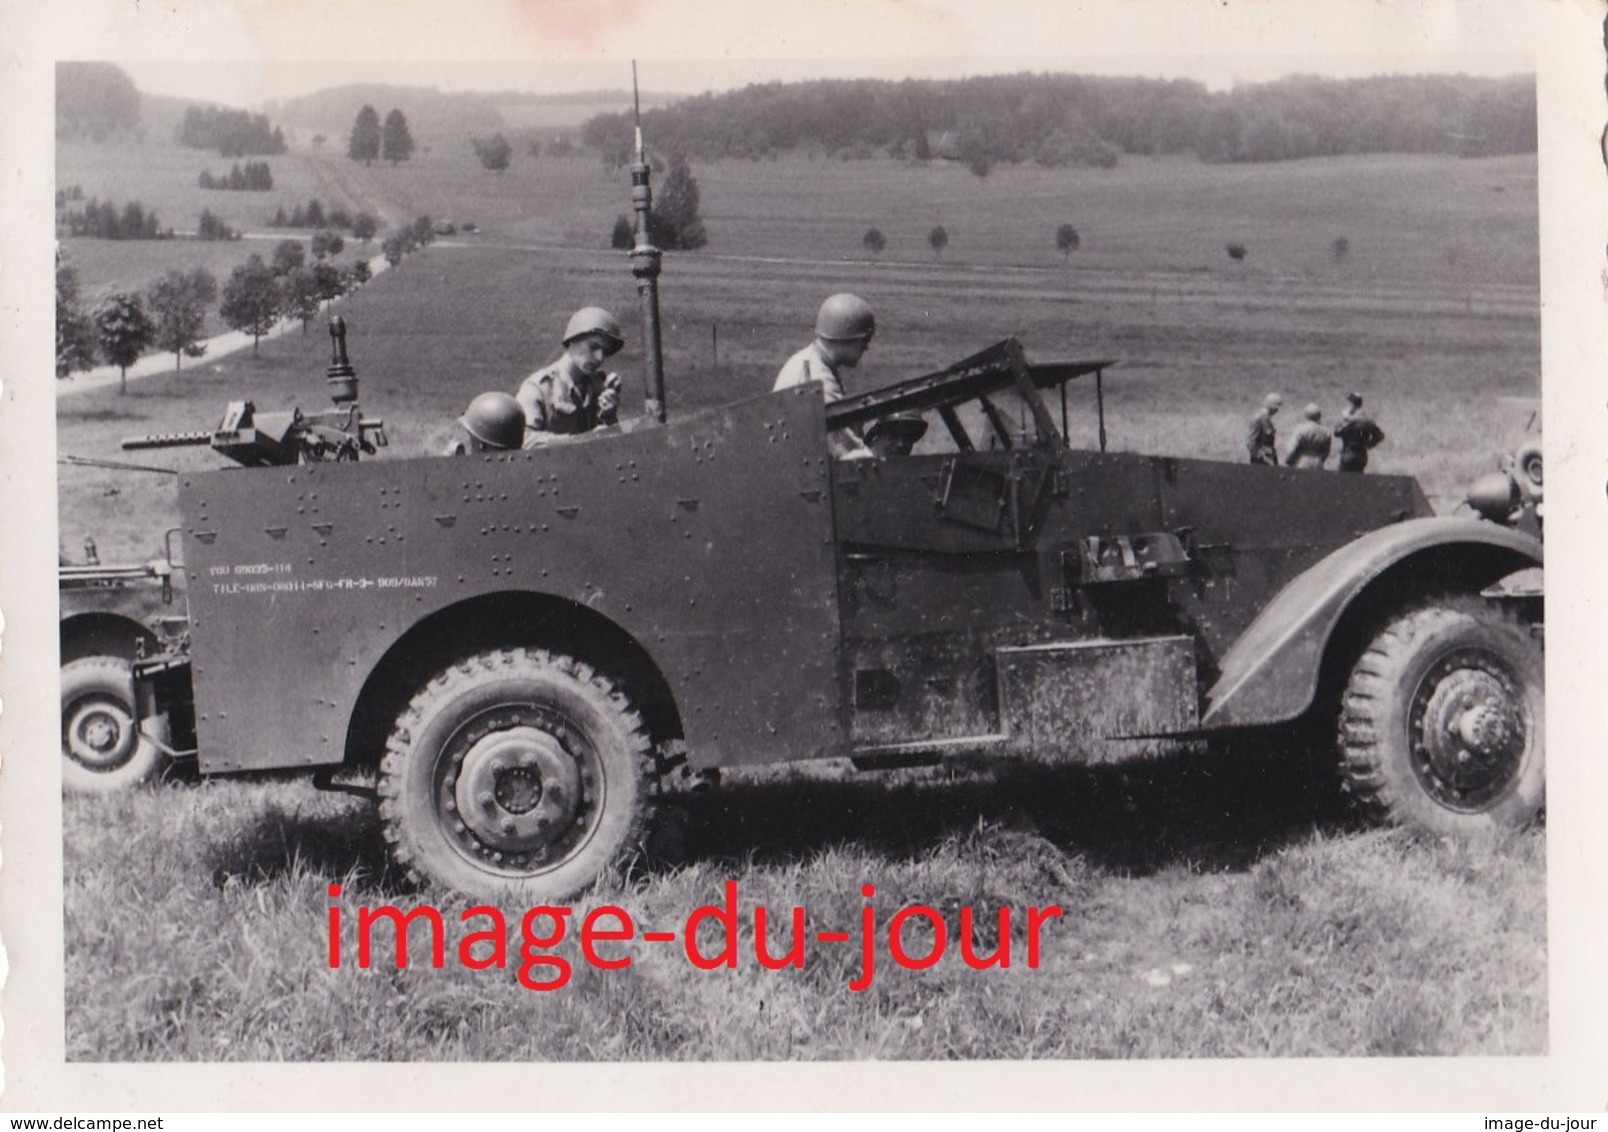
[496,420]
[845,318]
[909,427]
[1273,401]
[1312,412]
[595,320]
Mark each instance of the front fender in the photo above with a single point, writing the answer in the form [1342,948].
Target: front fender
[1271,673]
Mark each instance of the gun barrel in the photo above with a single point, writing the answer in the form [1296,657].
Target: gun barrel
[167,440]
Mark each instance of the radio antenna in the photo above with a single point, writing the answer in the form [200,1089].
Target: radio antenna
[645,265]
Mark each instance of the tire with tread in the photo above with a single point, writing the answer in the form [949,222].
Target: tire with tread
[516,773]
[102,748]
[1442,724]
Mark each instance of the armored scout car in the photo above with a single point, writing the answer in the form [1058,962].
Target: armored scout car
[528,644]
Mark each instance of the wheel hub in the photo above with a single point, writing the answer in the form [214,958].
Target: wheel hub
[1469,730]
[99,735]
[517,790]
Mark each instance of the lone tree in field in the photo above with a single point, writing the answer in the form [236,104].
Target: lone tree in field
[676,222]
[874,241]
[124,331]
[329,281]
[623,237]
[179,302]
[364,145]
[75,330]
[251,299]
[396,143]
[494,152]
[364,227]
[1340,249]
[288,256]
[1067,240]
[298,296]
[395,246]
[1238,251]
[938,239]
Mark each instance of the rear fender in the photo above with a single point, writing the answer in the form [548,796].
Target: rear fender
[1271,673]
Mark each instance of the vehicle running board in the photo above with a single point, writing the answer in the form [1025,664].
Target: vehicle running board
[922,752]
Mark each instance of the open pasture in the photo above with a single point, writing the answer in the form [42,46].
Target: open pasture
[1440,349]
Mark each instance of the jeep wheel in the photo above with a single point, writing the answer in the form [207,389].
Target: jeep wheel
[515,773]
[1442,726]
[102,750]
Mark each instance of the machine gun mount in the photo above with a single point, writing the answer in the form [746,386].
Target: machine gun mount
[255,439]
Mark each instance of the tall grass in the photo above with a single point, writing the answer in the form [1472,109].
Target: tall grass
[1202,919]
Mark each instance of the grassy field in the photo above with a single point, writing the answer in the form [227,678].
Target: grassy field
[1215,908]
[1211,910]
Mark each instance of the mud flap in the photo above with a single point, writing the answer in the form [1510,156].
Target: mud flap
[1096,701]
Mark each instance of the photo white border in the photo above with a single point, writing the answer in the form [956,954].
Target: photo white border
[1565,39]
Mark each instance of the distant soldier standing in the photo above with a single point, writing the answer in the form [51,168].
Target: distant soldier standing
[575,394]
[1357,434]
[1309,447]
[1262,440]
[844,327]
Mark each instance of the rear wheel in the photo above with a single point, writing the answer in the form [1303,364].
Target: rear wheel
[516,773]
[102,749]
[1443,721]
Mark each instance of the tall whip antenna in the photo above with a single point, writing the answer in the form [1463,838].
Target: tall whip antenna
[645,266]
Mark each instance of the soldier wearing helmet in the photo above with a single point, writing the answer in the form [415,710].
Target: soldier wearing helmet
[575,394]
[895,434]
[493,422]
[1262,439]
[1357,434]
[844,327]
[1309,447]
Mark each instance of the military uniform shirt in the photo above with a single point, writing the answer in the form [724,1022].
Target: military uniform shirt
[812,364]
[1261,440]
[560,399]
[1357,434]
[1309,448]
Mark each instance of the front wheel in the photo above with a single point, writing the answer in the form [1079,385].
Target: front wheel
[102,747]
[515,773]
[1442,726]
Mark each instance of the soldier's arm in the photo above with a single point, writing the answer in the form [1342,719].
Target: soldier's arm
[531,401]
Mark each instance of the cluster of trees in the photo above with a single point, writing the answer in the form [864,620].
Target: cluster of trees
[233,133]
[363,226]
[106,221]
[370,139]
[676,220]
[94,101]
[213,227]
[253,177]
[1073,120]
[409,239]
[172,312]
[494,152]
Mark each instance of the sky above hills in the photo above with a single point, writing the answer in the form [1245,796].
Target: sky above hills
[245,54]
